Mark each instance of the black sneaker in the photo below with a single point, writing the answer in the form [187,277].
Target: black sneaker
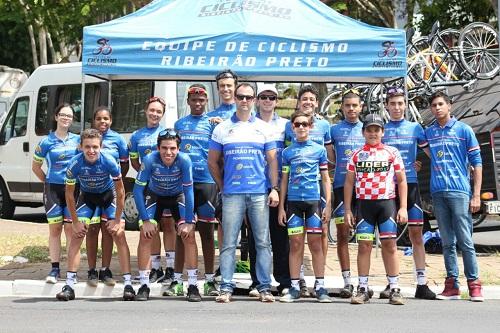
[168,276]
[128,293]
[423,292]
[386,293]
[106,277]
[142,293]
[395,298]
[193,294]
[66,294]
[92,278]
[304,291]
[361,297]
[155,275]
[347,291]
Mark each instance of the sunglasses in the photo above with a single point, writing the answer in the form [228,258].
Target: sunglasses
[168,133]
[197,91]
[267,97]
[391,91]
[351,91]
[243,97]
[298,124]
[156,99]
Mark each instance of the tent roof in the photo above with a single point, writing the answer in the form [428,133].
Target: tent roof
[295,40]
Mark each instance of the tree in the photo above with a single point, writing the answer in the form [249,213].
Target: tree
[55,27]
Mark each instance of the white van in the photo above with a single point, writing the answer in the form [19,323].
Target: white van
[11,80]
[29,120]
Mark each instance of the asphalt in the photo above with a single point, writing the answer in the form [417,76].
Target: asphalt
[28,279]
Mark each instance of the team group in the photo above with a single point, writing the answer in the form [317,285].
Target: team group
[267,172]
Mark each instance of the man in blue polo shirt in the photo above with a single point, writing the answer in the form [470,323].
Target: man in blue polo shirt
[245,143]
[454,149]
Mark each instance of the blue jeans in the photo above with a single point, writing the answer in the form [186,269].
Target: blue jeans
[234,207]
[455,225]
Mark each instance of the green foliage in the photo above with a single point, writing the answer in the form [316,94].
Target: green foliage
[453,13]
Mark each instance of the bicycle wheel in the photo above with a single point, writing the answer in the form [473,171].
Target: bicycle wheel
[418,67]
[478,47]
[403,238]
[330,108]
[446,41]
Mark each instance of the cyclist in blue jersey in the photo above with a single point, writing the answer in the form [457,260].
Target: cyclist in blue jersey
[406,136]
[195,130]
[454,149]
[346,137]
[101,188]
[115,145]
[57,149]
[244,143]
[167,176]
[267,99]
[143,142]
[320,133]
[302,162]
[226,82]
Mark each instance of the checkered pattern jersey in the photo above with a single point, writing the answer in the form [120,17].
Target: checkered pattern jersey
[375,168]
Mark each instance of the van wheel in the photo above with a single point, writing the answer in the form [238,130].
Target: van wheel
[7,206]
[129,209]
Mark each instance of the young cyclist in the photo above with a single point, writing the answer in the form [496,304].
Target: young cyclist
[58,148]
[302,162]
[371,171]
[101,187]
[406,136]
[167,173]
[195,131]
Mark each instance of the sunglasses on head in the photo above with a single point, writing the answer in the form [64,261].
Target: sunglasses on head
[156,99]
[197,91]
[224,75]
[168,133]
[267,97]
[391,91]
[351,91]
[244,97]
[298,124]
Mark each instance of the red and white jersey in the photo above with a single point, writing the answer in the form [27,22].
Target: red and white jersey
[375,168]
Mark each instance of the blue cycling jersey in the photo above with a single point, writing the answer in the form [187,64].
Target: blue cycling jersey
[115,145]
[165,181]
[95,177]
[224,111]
[346,138]
[143,141]
[195,133]
[453,148]
[58,154]
[319,133]
[244,145]
[302,161]
[405,136]
[277,125]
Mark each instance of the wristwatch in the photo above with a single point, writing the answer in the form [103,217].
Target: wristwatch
[276,188]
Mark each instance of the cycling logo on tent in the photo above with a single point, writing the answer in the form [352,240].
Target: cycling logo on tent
[388,50]
[104,48]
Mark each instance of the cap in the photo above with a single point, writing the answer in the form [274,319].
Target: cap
[267,87]
[373,119]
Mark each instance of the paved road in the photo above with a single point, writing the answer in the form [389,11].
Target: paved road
[244,315]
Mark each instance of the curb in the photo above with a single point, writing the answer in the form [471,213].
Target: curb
[39,288]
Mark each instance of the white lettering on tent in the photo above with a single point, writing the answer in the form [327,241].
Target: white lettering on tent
[198,61]
[230,46]
[296,61]
[303,47]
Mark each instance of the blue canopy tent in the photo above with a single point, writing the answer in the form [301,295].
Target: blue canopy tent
[272,40]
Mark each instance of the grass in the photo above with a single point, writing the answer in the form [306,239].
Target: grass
[34,248]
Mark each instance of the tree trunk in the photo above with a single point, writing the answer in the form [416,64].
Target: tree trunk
[34,52]
[53,54]
[42,43]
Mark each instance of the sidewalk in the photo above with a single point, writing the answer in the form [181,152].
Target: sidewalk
[28,279]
